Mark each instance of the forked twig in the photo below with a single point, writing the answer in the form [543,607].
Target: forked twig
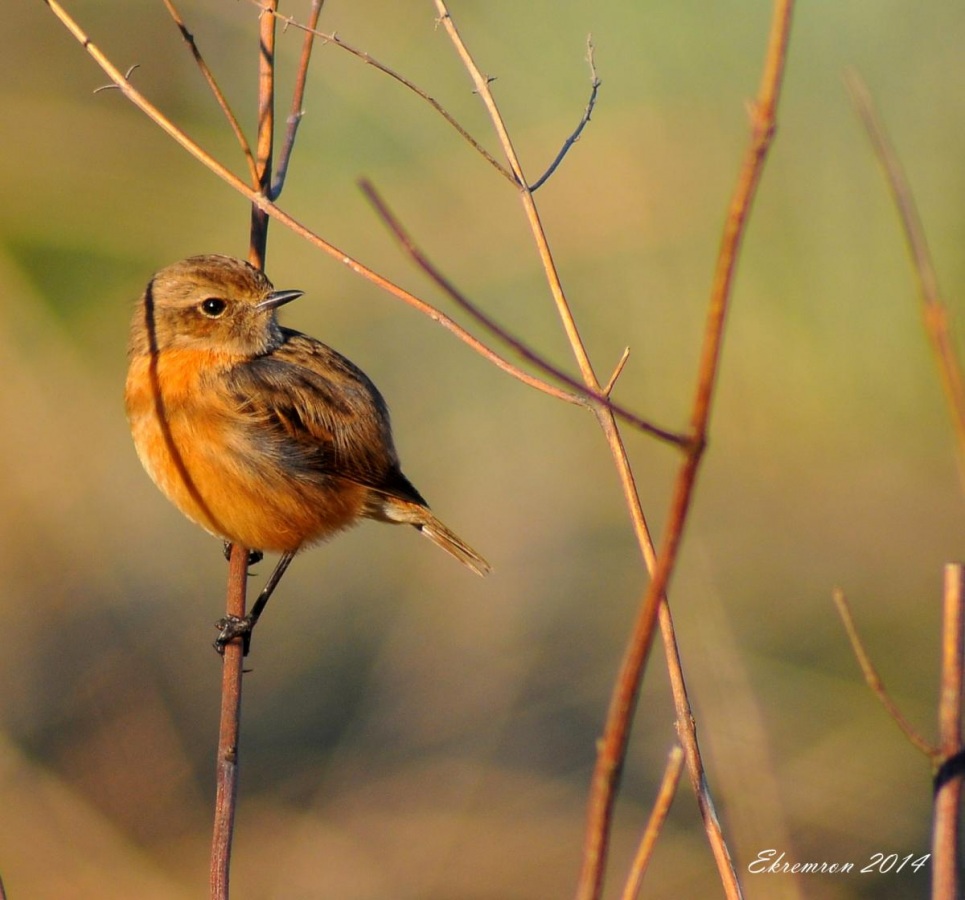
[658,815]
[873,679]
[949,779]
[584,120]
[934,309]
[361,55]
[481,85]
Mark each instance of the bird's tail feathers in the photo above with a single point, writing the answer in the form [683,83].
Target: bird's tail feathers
[396,509]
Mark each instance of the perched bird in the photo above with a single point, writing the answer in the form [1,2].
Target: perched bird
[263,436]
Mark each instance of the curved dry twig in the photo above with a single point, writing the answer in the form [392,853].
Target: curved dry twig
[934,310]
[215,89]
[584,121]
[873,679]
[298,97]
[583,394]
[658,815]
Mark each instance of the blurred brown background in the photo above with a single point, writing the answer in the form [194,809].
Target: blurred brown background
[411,731]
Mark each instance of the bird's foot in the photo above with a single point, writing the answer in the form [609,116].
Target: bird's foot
[254,556]
[232,627]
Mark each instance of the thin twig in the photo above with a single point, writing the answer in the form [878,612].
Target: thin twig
[494,328]
[298,98]
[265,146]
[949,782]
[658,815]
[332,38]
[617,372]
[234,651]
[934,310]
[215,89]
[873,679]
[232,180]
[575,136]
[687,735]
[228,732]
[612,747]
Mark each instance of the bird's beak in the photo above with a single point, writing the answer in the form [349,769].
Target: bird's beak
[279,298]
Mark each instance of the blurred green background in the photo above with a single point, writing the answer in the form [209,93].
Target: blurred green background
[410,731]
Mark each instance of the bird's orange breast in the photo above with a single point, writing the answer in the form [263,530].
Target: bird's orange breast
[210,460]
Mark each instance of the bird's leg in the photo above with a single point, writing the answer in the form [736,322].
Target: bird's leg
[254,556]
[242,626]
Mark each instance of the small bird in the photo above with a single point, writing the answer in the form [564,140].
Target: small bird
[262,435]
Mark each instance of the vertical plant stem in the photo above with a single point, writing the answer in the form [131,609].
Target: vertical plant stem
[266,134]
[948,781]
[233,665]
[228,731]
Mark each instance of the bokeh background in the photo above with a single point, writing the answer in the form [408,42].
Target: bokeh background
[410,731]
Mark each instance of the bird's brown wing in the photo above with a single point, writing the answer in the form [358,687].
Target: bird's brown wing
[318,415]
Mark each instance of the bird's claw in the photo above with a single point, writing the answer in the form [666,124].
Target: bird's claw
[254,556]
[232,627]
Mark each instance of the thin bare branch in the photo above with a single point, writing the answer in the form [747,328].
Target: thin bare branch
[934,310]
[575,136]
[583,395]
[687,735]
[298,98]
[361,55]
[228,732]
[617,372]
[265,146]
[873,679]
[949,780]
[612,746]
[658,815]
[215,89]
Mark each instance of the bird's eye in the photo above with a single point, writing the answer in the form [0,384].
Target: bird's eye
[213,307]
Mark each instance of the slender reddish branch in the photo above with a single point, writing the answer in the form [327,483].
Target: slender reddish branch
[228,732]
[612,748]
[948,781]
[658,815]
[264,147]
[585,393]
[298,96]
[934,310]
[873,679]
